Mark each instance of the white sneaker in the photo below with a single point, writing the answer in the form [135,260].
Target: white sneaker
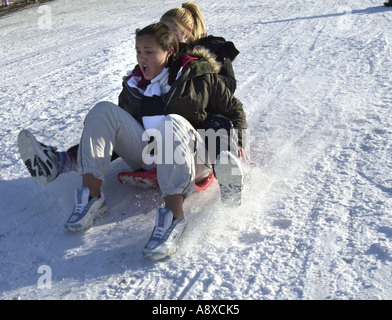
[40,160]
[165,236]
[230,175]
[85,211]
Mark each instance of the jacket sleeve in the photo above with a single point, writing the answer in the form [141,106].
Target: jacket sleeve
[223,102]
[225,56]
[225,52]
[130,103]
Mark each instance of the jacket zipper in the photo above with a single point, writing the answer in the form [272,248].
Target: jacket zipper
[168,101]
[130,91]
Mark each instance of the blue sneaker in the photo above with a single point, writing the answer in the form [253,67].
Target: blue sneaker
[85,211]
[165,236]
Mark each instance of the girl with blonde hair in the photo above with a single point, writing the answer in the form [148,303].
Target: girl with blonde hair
[188,24]
[188,21]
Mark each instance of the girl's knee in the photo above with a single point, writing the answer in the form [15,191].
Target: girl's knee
[102,110]
[172,122]
[102,107]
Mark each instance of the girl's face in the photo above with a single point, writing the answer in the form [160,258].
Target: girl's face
[180,35]
[150,56]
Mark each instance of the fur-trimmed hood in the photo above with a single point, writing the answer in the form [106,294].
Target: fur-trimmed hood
[194,62]
[205,55]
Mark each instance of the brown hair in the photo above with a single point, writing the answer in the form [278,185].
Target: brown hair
[163,36]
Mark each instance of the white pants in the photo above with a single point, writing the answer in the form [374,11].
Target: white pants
[180,159]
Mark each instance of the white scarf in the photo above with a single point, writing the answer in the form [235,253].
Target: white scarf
[159,86]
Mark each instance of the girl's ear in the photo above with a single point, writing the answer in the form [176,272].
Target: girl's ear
[170,52]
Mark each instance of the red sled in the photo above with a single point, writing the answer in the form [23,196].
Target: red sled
[148,179]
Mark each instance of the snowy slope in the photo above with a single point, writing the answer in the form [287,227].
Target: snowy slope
[315,79]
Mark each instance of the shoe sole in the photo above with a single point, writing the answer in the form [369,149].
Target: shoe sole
[29,149]
[77,227]
[158,253]
[231,179]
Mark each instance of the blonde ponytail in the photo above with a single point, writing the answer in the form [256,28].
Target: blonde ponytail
[189,19]
[199,25]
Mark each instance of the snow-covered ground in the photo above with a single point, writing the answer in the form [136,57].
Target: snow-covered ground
[315,80]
